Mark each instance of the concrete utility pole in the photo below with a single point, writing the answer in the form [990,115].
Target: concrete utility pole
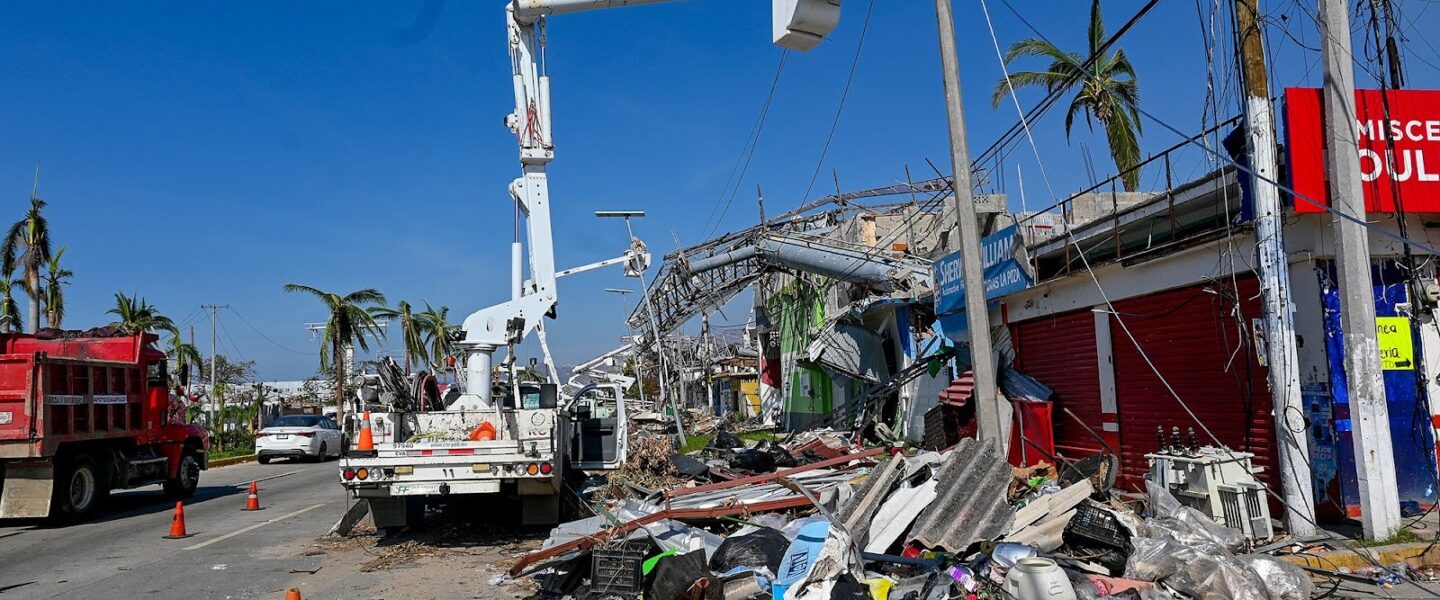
[219,411]
[1369,416]
[189,389]
[982,360]
[1274,267]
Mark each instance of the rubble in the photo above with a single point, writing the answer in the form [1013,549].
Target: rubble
[825,518]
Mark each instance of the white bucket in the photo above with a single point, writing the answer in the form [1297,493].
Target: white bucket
[1038,579]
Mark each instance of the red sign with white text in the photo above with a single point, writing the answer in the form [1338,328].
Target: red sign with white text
[1413,130]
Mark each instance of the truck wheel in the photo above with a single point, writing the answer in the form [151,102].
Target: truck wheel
[79,488]
[262,459]
[187,477]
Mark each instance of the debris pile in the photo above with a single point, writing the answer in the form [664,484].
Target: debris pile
[833,520]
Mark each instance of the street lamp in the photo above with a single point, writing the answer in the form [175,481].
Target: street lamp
[639,374]
[649,308]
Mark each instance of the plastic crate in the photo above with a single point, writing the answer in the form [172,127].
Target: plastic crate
[617,570]
[1097,526]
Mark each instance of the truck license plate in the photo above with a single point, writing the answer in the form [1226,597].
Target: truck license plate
[414,489]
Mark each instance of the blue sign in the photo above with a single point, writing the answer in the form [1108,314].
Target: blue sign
[1004,275]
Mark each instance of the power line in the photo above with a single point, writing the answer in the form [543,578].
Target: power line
[747,152]
[844,94]
[230,341]
[266,337]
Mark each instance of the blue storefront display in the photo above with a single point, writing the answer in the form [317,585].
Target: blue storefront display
[1411,433]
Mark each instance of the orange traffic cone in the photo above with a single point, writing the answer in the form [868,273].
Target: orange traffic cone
[367,439]
[293,594]
[177,523]
[252,502]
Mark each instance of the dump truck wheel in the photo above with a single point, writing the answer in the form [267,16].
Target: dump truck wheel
[187,478]
[80,488]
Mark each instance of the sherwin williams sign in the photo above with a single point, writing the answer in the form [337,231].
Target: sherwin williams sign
[1004,275]
[1399,154]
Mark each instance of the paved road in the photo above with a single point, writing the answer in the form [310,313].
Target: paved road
[121,552]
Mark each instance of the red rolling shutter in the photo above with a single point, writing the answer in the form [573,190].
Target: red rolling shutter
[1205,349]
[1059,351]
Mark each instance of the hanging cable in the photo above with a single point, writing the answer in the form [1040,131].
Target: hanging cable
[747,152]
[844,94]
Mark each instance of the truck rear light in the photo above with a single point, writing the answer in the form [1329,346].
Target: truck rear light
[545,468]
[348,474]
[532,469]
[362,473]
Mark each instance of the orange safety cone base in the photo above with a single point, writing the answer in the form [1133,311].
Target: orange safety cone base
[177,523]
[252,501]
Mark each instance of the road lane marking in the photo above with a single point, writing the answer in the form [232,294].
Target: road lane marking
[254,527]
[246,483]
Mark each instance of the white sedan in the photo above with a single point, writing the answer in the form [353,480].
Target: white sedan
[299,436]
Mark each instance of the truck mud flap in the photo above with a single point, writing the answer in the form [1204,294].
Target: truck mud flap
[27,489]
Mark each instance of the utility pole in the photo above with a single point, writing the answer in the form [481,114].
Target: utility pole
[197,367]
[1288,407]
[1369,416]
[982,360]
[218,412]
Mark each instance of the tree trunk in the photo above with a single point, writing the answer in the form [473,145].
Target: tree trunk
[339,359]
[32,285]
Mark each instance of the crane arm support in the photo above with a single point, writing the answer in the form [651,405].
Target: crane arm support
[527,11]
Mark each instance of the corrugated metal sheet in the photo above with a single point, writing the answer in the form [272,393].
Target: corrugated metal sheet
[1206,350]
[1059,351]
[970,499]
[858,513]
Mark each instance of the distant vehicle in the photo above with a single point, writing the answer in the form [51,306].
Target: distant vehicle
[84,413]
[299,436]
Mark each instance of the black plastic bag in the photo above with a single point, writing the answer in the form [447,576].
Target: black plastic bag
[763,548]
[753,461]
[847,587]
[675,575]
[725,440]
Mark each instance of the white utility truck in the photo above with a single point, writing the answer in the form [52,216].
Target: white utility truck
[524,437]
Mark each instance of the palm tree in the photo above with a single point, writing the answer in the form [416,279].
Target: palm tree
[10,319]
[410,330]
[182,353]
[55,282]
[437,329]
[349,324]
[27,246]
[1107,91]
[137,316]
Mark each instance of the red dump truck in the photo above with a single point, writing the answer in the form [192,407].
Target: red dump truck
[82,414]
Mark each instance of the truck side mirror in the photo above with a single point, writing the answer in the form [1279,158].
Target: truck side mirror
[549,395]
[185,377]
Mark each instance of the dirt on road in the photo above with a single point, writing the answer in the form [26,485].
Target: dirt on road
[456,554]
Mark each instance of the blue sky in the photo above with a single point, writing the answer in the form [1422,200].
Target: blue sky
[206,152]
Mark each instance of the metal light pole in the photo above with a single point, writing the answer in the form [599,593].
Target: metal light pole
[639,375]
[988,410]
[654,323]
[1370,417]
